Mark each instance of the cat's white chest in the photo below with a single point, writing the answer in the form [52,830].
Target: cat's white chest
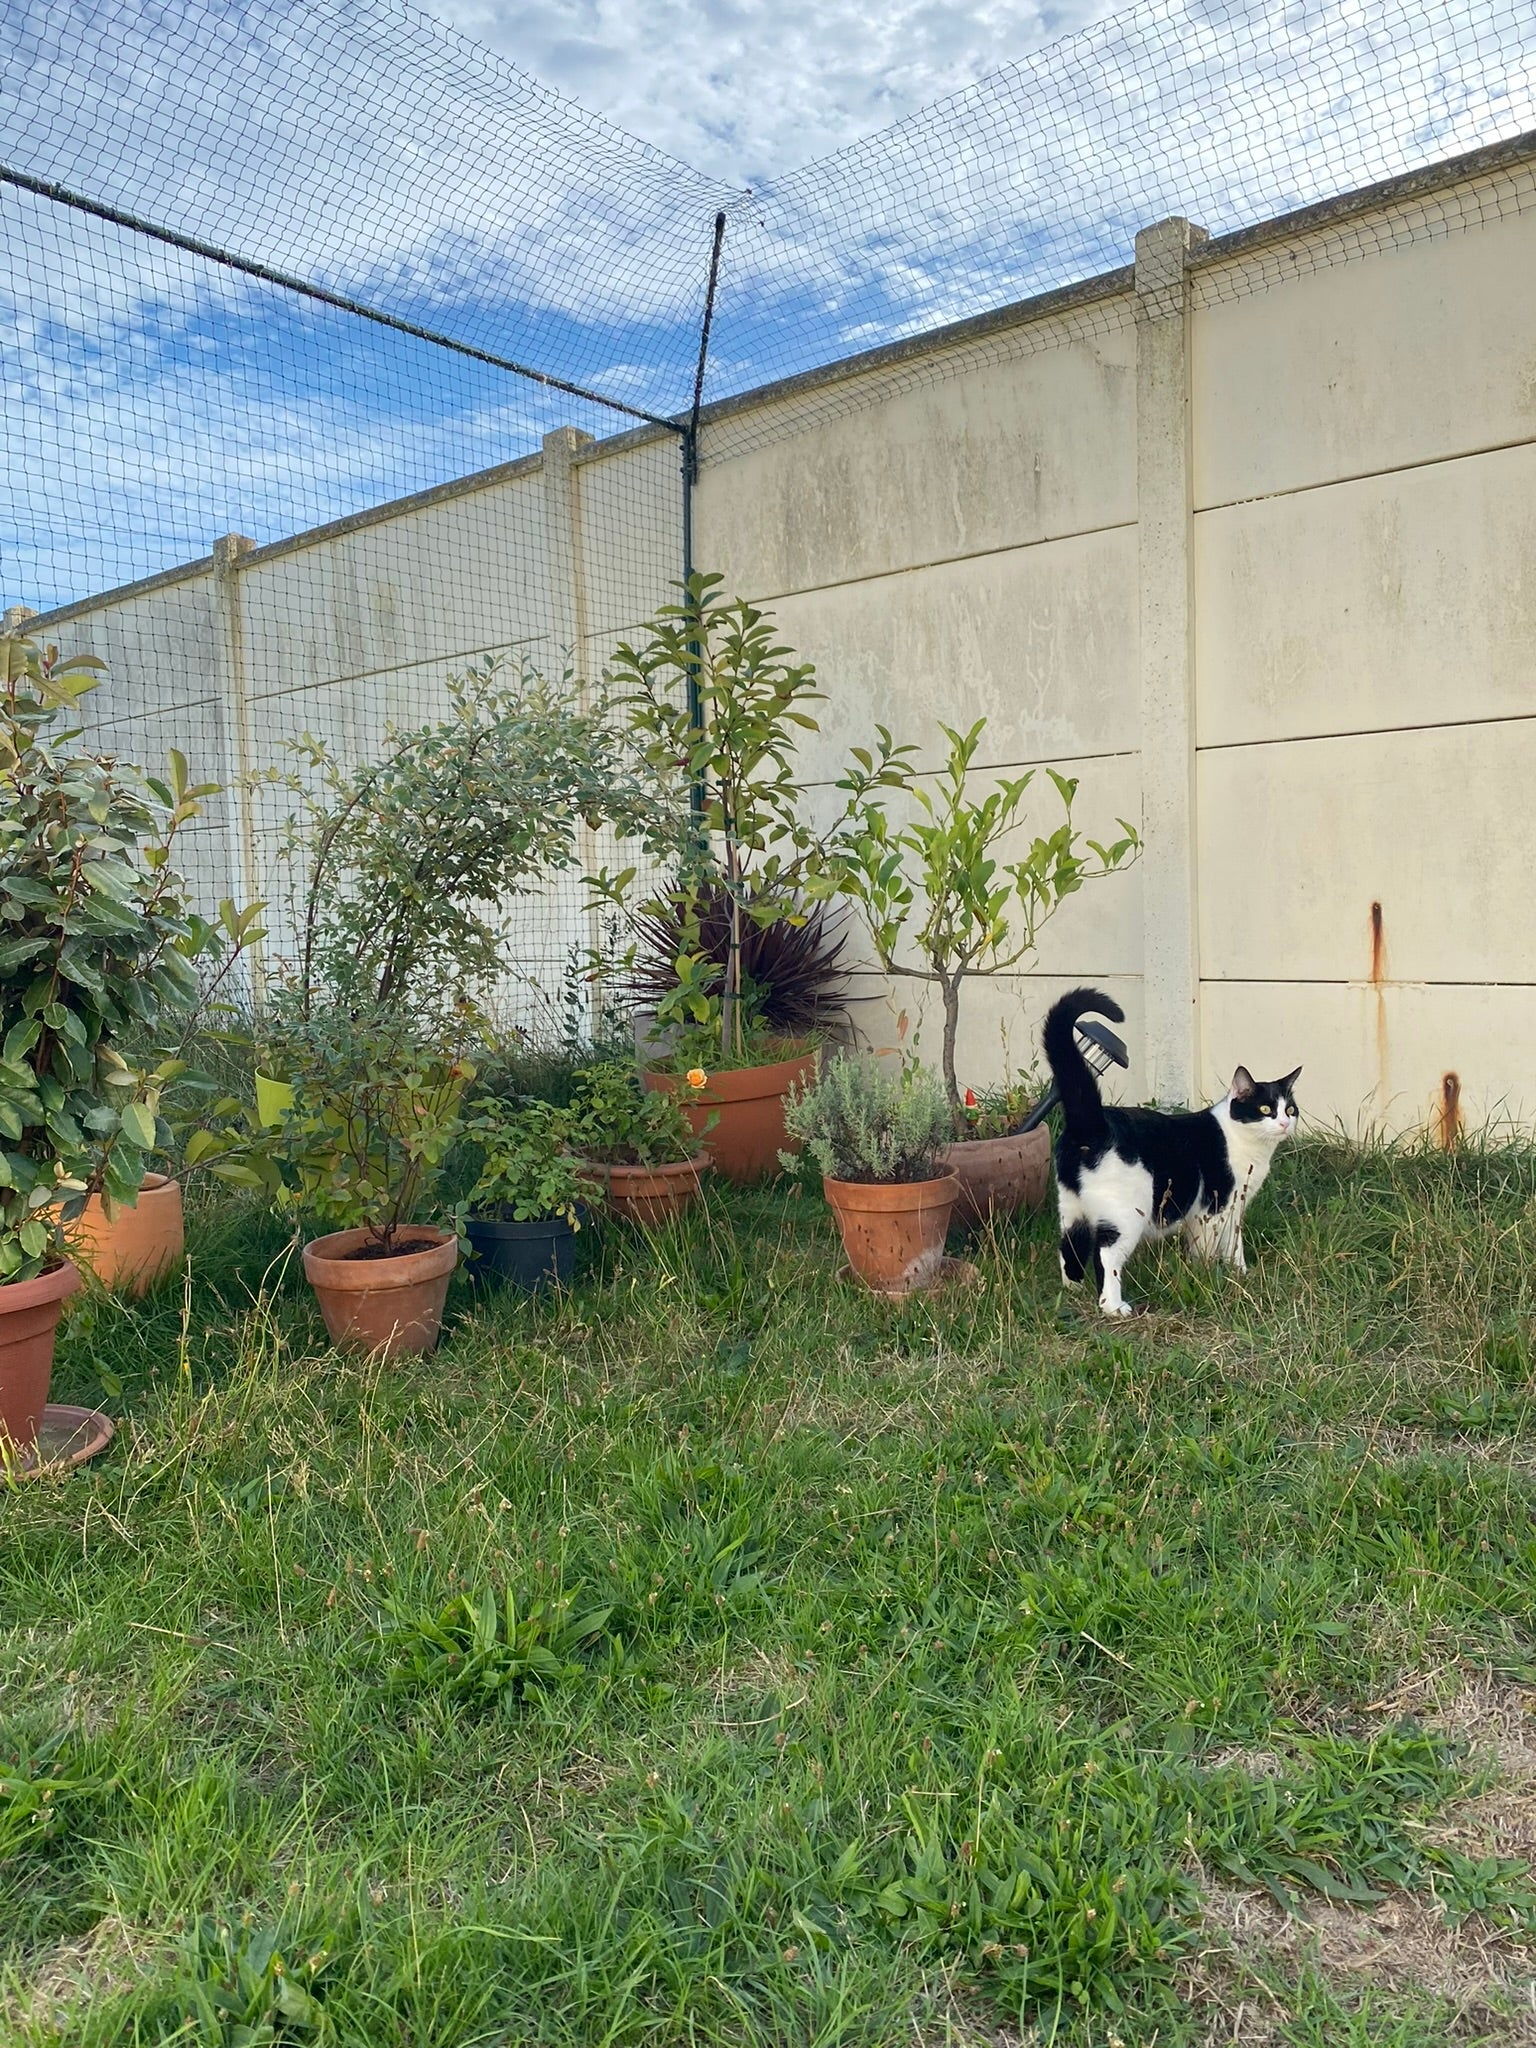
[1250,1152]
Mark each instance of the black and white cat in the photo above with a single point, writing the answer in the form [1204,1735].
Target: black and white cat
[1126,1174]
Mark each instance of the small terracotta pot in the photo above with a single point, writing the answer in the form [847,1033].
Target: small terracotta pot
[29,1321]
[653,1194]
[999,1176]
[748,1105]
[137,1246]
[390,1307]
[893,1232]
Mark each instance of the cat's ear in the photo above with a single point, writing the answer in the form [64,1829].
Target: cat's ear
[1242,1084]
[1291,1078]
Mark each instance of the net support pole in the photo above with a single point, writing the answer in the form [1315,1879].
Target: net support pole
[245,882]
[1165,533]
[690,439]
[568,624]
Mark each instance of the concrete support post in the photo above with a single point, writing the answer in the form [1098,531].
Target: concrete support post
[1171,968]
[568,608]
[234,706]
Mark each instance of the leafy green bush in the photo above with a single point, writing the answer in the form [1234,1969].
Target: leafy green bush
[377,1109]
[481,1651]
[401,865]
[528,1171]
[860,1122]
[620,1123]
[97,950]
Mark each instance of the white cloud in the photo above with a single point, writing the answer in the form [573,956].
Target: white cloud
[748,89]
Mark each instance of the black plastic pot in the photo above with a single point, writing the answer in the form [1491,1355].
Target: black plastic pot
[527,1255]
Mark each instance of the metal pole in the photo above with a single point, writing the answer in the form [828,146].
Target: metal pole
[690,478]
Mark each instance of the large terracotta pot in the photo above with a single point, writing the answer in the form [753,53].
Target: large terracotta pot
[653,1194]
[29,1321]
[748,1105]
[137,1246]
[384,1306]
[893,1232]
[1000,1175]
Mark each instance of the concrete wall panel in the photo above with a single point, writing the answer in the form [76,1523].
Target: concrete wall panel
[1298,841]
[1376,1060]
[981,454]
[438,586]
[1040,641]
[1406,599]
[1422,351]
[629,506]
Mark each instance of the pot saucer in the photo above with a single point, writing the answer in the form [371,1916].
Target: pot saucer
[952,1273]
[66,1437]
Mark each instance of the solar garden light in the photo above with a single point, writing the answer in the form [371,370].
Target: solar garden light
[1100,1048]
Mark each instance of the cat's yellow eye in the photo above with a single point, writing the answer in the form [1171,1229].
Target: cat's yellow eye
[1265,1110]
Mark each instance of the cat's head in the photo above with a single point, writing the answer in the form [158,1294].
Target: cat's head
[1266,1106]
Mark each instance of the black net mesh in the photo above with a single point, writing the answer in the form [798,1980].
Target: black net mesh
[160,399]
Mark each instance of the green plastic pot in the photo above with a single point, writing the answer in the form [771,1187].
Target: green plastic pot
[274,1099]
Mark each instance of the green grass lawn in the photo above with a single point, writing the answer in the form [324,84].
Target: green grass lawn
[954,1672]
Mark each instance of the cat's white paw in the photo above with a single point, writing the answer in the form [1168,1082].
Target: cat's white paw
[1116,1308]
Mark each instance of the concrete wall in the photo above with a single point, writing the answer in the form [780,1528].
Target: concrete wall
[1248,542]
[1244,537]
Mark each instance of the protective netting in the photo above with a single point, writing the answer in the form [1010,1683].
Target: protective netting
[1043,172]
[364,147]
[160,396]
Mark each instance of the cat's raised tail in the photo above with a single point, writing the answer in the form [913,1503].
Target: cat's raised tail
[1076,1084]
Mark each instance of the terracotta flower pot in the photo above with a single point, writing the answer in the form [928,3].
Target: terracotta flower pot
[748,1105]
[653,1194]
[893,1232]
[1000,1175]
[137,1246]
[29,1321]
[390,1306]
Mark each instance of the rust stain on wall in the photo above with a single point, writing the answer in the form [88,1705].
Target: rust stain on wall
[1449,1111]
[1378,982]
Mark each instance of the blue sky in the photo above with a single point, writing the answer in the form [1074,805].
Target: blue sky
[541,179]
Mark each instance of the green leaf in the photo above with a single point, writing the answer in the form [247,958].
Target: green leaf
[139,1125]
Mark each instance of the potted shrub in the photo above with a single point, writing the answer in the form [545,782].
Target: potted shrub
[377,1108]
[879,1139]
[130,1248]
[941,905]
[639,1143]
[523,1213]
[95,952]
[715,705]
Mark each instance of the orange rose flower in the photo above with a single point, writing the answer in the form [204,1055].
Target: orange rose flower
[697,1077]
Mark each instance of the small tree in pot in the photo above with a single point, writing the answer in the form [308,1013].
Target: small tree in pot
[376,1111]
[879,1140]
[716,707]
[96,948]
[942,905]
